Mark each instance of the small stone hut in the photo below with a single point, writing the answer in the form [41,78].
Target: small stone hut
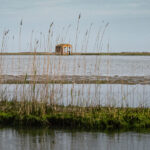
[63,49]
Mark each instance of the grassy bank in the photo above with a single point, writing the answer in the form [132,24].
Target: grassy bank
[98,118]
[52,53]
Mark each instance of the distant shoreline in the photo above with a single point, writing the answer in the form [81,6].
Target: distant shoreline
[52,53]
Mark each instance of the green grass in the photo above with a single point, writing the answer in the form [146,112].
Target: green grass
[92,118]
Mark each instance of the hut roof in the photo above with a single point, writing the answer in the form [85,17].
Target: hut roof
[64,45]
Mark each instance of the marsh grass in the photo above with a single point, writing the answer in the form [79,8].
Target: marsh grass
[97,118]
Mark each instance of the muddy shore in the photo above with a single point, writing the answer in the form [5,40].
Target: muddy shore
[70,79]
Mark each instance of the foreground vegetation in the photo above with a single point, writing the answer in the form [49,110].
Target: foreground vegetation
[98,118]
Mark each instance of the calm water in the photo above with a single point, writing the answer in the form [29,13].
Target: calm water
[47,139]
[82,94]
[77,65]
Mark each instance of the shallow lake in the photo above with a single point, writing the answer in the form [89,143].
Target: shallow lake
[54,139]
[118,95]
[76,65]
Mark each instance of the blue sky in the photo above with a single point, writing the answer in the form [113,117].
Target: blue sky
[128,30]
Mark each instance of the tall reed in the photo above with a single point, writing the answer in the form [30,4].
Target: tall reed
[53,66]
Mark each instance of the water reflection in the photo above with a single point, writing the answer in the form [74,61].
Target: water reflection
[37,139]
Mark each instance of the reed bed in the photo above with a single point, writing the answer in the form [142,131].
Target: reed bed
[69,105]
[84,95]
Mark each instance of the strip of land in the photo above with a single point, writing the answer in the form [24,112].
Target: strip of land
[53,53]
[25,113]
[71,79]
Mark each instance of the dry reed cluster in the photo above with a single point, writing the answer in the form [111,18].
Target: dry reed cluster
[36,97]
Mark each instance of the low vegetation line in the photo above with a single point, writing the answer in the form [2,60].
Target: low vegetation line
[74,82]
[52,53]
[25,113]
[71,79]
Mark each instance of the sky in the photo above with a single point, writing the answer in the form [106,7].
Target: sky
[128,29]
